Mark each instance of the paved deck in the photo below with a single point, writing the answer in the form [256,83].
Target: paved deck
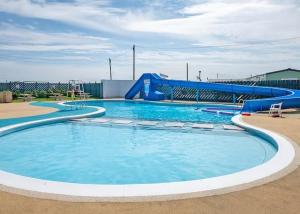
[52,109]
[279,197]
[14,110]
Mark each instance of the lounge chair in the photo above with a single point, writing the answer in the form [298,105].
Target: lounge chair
[275,110]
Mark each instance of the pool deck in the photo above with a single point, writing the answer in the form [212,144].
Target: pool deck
[280,196]
[15,110]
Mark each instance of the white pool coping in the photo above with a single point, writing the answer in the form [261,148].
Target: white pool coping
[270,170]
[16,127]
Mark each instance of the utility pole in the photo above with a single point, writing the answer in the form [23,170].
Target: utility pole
[187,71]
[133,66]
[110,74]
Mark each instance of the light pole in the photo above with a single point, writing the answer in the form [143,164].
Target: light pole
[110,74]
[133,63]
[187,71]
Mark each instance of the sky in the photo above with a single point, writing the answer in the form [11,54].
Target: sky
[59,40]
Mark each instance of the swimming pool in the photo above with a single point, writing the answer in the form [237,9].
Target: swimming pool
[97,154]
[143,110]
[94,160]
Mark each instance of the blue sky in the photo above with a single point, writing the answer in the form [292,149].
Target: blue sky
[55,40]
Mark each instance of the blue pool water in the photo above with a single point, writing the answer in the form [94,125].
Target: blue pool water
[160,111]
[93,153]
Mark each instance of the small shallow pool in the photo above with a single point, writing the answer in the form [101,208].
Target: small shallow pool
[137,151]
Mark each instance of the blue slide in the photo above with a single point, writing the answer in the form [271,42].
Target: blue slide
[144,83]
[149,82]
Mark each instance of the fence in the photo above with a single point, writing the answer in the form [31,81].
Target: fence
[95,89]
[291,84]
[182,93]
[179,93]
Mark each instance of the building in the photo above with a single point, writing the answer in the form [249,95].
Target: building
[286,74]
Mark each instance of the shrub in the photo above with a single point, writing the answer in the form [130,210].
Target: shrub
[42,94]
[16,94]
[35,93]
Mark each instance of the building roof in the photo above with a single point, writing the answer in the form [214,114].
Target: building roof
[272,72]
[288,69]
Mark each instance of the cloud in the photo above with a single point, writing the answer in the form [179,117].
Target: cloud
[216,21]
[226,21]
[93,14]
[159,27]
[14,38]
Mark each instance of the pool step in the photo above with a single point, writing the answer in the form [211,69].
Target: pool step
[232,127]
[174,124]
[100,120]
[147,123]
[80,119]
[121,121]
[202,126]
[160,124]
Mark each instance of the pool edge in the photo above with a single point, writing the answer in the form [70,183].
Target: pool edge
[185,190]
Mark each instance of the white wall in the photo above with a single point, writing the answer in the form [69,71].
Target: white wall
[116,88]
